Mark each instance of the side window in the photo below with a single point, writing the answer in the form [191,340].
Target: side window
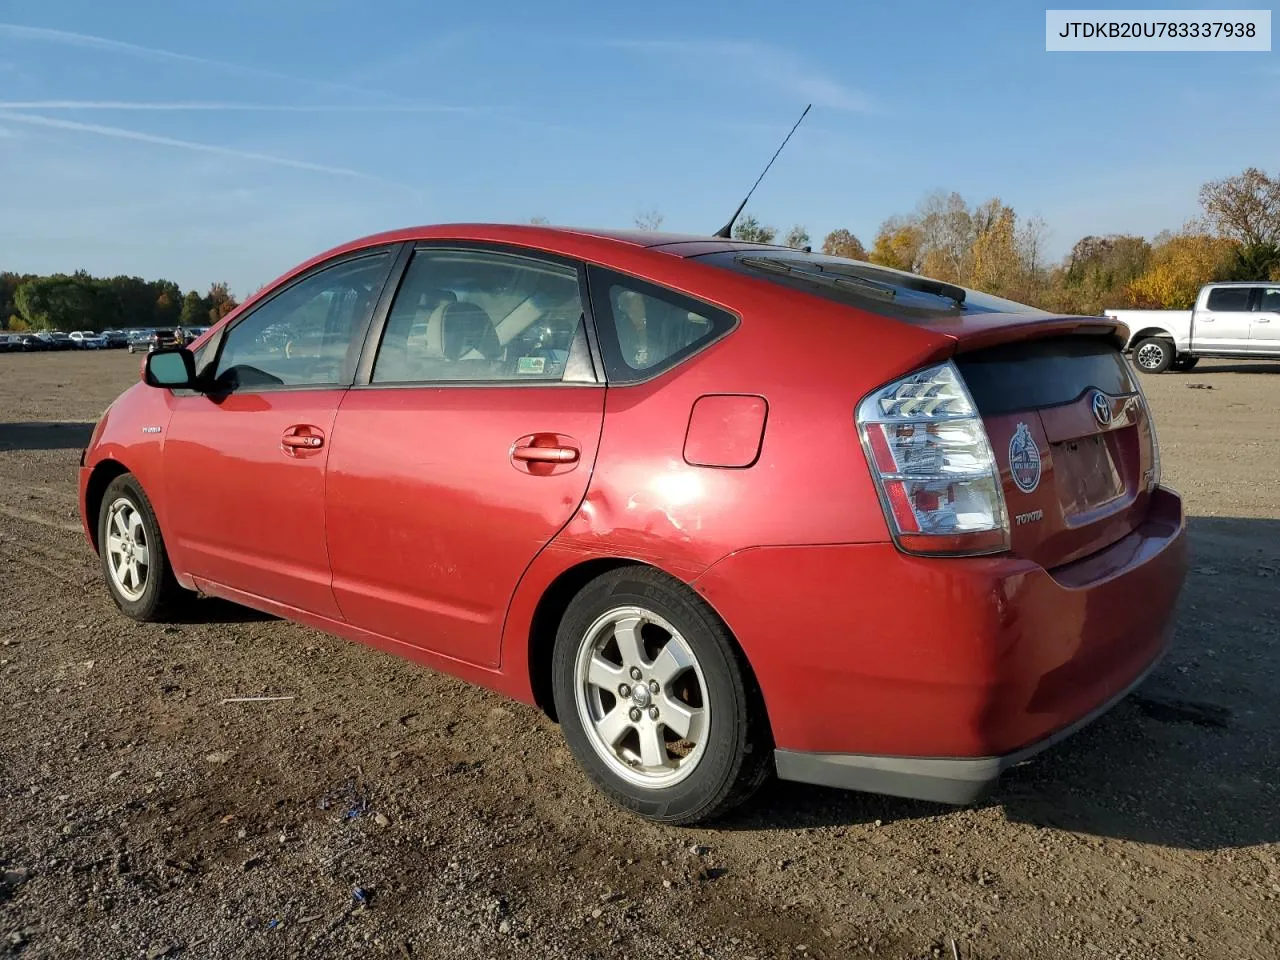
[646,329]
[484,316]
[301,336]
[1229,299]
[1269,302]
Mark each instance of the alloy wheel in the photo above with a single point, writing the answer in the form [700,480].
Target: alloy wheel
[642,697]
[1150,356]
[128,551]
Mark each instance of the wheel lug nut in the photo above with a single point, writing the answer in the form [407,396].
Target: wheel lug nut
[634,714]
[635,673]
[653,713]
[653,686]
[624,691]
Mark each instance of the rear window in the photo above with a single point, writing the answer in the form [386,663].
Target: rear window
[867,286]
[1229,299]
[1042,373]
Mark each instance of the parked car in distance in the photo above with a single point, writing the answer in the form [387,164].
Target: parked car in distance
[140,340]
[31,342]
[87,340]
[1235,320]
[10,343]
[115,338]
[163,338]
[57,340]
[721,508]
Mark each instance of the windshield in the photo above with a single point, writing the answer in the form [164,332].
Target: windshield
[867,286]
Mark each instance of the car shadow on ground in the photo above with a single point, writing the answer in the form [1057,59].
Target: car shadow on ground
[45,435]
[1190,760]
[215,610]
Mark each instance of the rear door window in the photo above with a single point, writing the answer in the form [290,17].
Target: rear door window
[484,316]
[1269,302]
[1229,299]
[646,329]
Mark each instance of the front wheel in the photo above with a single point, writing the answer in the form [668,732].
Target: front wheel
[1154,355]
[656,703]
[135,564]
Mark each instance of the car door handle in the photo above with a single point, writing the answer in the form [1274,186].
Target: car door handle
[531,454]
[545,454]
[302,440]
[1263,320]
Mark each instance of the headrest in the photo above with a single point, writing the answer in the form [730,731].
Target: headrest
[466,327]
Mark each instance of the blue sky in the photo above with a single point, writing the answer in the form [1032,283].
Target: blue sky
[229,140]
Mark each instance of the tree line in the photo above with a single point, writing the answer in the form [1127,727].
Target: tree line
[79,301]
[987,247]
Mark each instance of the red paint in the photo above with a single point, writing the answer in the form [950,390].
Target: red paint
[243,509]
[430,526]
[430,521]
[725,431]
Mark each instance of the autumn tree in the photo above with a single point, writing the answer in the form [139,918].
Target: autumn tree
[750,229]
[897,244]
[1097,273]
[1179,267]
[8,309]
[1246,208]
[947,231]
[649,219]
[219,301]
[797,237]
[995,262]
[842,243]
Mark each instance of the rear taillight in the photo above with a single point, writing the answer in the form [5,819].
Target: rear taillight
[929,455]
[1154,476]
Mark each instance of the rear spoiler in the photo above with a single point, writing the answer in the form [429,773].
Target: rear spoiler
[979,331]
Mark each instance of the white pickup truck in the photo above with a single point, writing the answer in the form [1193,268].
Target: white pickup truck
[1238,320]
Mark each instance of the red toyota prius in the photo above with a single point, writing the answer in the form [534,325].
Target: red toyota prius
[723,509]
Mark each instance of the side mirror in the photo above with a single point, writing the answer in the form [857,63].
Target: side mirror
[173,368]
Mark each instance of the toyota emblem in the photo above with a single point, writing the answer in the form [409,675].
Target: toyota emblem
[1102,408]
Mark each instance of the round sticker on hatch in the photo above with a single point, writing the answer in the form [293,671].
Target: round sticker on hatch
[1024,459]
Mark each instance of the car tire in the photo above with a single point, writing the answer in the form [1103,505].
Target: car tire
[696,709]
[1154,354]
[1183,364]
[145,588]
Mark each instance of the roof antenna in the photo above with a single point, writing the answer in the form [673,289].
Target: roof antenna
[727,230]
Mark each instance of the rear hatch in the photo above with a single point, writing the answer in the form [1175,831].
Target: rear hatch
[1072,437]
[1062,409]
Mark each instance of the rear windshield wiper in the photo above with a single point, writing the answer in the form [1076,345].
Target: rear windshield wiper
[864,280]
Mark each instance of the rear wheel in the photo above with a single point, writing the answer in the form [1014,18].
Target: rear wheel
[1182,364]
[655,700]
[134,562]
[1154,355]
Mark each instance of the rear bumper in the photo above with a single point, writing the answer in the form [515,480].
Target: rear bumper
[957,780]
[926,677]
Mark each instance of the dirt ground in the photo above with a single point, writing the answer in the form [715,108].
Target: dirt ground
[389,811]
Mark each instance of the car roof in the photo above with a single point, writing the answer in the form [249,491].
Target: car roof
[549,237]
